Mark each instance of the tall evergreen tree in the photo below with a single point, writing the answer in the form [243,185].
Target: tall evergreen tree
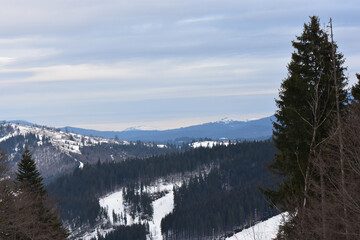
[306,108]
[28,174]
[45,223]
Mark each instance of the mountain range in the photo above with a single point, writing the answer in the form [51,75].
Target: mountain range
[225,129]
[58,151]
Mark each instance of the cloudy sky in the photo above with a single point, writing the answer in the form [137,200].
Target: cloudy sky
[114,64]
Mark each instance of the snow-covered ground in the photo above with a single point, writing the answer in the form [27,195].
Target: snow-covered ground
[261,231]
[162,207]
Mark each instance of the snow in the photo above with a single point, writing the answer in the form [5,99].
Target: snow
[162,207]
[208,144]
[226,120]
[265,230]
[81,166]
[114,202]
[161,146]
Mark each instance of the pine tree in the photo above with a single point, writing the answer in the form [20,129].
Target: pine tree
[306,107]
[45,223]
[28,174]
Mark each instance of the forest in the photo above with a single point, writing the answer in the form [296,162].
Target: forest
[226,198]
[238,170]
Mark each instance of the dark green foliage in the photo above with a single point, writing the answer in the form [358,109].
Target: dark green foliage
[78,192]
[355,90]
[226,197]
[28,174]
[114,152]
[133,232]
[306,107]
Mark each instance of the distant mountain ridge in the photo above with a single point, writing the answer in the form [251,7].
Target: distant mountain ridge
[56,152]
[225,129]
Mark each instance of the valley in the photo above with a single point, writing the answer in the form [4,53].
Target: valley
[111,187]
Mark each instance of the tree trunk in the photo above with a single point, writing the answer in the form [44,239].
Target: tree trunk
[339,129]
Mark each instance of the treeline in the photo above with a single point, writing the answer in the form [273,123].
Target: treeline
[225,198]
[114,152]
[78,192]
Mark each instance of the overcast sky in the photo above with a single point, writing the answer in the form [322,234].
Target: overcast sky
[114,64]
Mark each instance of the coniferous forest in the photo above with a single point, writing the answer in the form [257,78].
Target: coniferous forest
[241,164]
[225,198]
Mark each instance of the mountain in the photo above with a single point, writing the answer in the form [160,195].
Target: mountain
[56,152]
[22,122]
[225,129]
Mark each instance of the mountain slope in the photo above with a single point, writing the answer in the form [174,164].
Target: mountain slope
[56,152]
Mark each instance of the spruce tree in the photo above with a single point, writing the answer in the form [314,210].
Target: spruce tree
[28,174]
[306,107]
[46,224]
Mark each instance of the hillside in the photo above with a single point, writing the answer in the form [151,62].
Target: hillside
[219,184]
[57,152]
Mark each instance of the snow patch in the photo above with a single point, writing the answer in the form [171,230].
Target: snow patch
[265,230]
[226,120]
[208,144]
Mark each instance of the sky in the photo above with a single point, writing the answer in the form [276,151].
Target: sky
[161,64]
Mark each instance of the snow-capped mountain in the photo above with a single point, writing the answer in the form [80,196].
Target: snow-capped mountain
[56,152]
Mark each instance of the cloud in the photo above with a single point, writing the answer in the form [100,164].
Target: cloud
[61,54]
[201,19]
